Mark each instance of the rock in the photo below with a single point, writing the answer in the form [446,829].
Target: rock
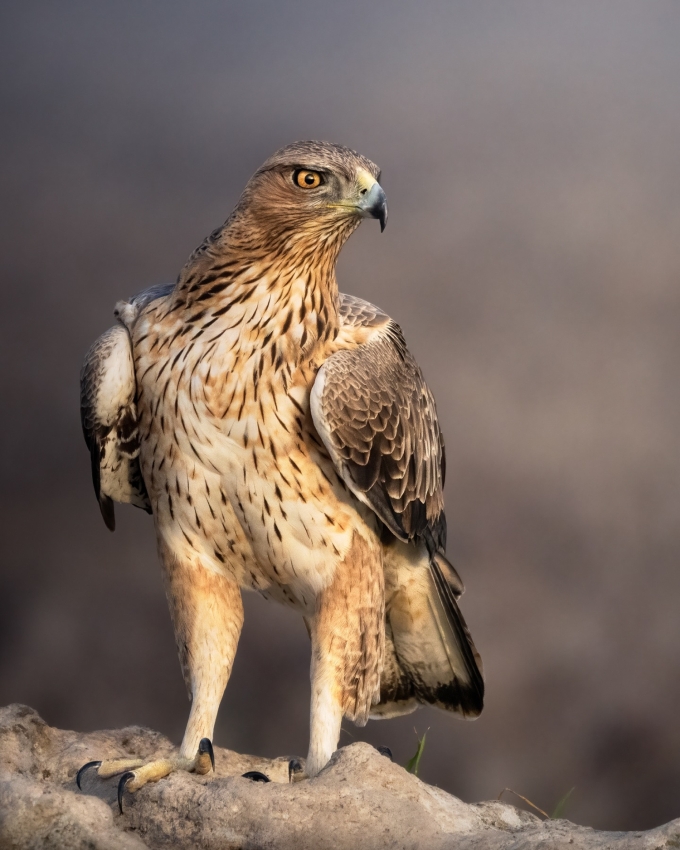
[361,800]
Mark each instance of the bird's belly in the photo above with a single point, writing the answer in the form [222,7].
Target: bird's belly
[298,522]
[256,485]
[294,510]
[193,513]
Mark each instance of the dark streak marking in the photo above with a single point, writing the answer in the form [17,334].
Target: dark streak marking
[309,536]
[297,404]
[196,316]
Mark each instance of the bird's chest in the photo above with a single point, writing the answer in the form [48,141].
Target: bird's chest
[290,502]
[241,418]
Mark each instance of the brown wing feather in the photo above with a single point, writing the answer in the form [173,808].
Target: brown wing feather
[377,417]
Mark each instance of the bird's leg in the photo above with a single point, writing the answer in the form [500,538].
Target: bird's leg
[207,615]
[348,642]
[325,716]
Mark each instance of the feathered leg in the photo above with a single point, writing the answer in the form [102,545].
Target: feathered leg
[348,642]
[207,615]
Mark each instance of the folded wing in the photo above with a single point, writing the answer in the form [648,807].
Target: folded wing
[377,418]
[109,420]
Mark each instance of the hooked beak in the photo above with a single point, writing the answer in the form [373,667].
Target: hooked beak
[374,204]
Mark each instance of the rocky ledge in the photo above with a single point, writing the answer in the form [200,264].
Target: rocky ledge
[361,800]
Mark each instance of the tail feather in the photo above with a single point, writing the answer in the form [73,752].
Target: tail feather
[467,698]
[431,658]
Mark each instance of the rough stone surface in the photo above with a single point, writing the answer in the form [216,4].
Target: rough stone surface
[361,800]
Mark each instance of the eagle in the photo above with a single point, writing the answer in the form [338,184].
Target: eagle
[284,440]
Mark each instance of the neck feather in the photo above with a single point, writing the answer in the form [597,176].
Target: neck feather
[280,283]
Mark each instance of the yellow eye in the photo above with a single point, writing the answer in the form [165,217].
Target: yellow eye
[307,179]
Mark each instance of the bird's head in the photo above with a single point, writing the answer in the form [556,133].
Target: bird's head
[314,189]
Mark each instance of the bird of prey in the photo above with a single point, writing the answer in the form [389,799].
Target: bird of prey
[285,441]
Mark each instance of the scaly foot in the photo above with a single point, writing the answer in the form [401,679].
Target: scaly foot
[136,772]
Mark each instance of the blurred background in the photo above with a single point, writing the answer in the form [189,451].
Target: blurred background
[530,157]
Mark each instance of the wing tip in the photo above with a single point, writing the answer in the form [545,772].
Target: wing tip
[467,699]
[450,573]
[108,511]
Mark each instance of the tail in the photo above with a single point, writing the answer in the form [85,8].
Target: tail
[430,656]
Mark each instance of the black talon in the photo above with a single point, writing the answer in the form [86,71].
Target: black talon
[294,766]
[386,751]
[124,779]
[82,770]
[205,746]
[256,776]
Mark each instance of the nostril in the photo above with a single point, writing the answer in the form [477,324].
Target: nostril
[363,191]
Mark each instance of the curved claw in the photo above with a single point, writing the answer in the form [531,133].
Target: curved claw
[82,770]
[124,779]
[205,746]
[256,776]
[385,751]
[294,767]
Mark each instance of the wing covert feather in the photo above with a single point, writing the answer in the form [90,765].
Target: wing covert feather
[378,420]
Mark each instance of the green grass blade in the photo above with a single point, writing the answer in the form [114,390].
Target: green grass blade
[562,805]
[413,764]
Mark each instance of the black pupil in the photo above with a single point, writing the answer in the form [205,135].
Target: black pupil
[309,179]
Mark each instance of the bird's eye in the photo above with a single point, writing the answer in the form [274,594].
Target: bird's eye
[307,179]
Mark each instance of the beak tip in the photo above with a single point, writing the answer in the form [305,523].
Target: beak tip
[374,205]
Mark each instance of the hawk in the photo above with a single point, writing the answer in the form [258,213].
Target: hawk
[285,441]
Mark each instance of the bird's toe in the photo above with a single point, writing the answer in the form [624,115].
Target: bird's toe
[122,787]
[83,770]
[296,772]
[256,776]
